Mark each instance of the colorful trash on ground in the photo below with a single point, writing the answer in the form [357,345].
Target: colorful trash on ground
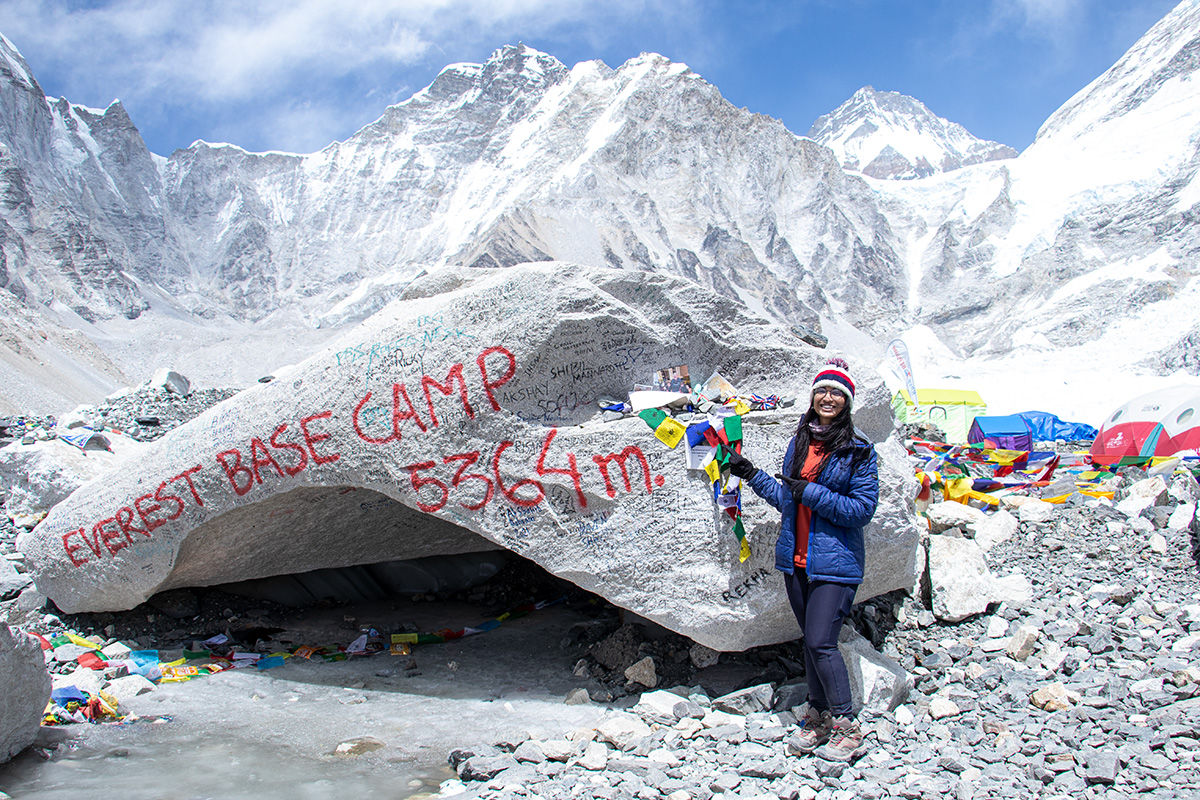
[71,704]
[985,475]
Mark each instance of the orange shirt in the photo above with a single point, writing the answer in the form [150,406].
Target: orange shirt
[809,472]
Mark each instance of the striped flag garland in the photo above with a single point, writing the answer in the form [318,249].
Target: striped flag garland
[711,433]
[727,490]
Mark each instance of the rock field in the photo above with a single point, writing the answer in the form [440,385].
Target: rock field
[1087,686]
[1091,689]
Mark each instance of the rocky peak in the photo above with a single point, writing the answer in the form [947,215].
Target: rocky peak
[13,66]
[509,71]
[894,136]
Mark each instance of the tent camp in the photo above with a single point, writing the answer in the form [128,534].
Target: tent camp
[1160,423]
[951,410]
[1046,427]
[1000,433]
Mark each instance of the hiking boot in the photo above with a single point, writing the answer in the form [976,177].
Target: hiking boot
[845,741]
[814,732]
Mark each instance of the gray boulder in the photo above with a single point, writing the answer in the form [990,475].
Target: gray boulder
[876,681]
[36,476]
[24,691]
[12,582]
[462,418]
[959,579]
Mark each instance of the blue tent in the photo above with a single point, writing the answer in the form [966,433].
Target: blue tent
[1003,433]
[1048,428]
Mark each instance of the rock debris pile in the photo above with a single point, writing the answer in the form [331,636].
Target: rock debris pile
[1088,685]
[150,411]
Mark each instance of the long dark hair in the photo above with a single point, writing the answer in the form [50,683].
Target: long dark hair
[840,437]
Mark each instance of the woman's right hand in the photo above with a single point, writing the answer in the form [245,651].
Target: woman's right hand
[795,486]
[739,465]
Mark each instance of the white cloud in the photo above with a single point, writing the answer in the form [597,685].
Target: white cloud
[1046,15]
[256,64]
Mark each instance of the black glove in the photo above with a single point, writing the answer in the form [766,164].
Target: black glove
[739,465]
[795,486]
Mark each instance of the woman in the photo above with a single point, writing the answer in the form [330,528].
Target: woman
[827,492]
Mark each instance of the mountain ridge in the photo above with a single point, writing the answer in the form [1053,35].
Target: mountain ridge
[643,167]
[891,136]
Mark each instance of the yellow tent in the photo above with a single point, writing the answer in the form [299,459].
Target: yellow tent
[951,410]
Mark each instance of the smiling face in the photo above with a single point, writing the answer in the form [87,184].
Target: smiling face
[827,402]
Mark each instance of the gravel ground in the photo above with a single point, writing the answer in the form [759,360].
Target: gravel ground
[1102,702]
[1091,689]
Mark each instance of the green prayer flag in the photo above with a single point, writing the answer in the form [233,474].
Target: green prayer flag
[733,428]
[653,417]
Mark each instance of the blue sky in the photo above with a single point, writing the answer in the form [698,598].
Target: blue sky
[297,75]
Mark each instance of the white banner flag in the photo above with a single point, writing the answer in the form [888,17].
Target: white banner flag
[897,353]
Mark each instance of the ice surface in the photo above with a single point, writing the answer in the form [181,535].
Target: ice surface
[251,733]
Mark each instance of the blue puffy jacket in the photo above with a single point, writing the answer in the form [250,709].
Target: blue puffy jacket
[842,499]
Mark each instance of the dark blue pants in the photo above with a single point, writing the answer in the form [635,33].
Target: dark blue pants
[820,607]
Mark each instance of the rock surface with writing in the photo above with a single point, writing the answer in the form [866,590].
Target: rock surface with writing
[463,417]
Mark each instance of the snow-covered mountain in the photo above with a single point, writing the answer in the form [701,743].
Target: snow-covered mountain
[1080,256]
[518,159]
[225,263]
[891,135]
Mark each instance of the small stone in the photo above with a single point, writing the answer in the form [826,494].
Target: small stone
[1036,511]
[829,769]
[530,752]
[746,701]
[66,653]
[577,697]
[702,657]
[1101,768]
[557,749]
[357,746]
[686,709]
[129,687]
[1157,543]
[1021,645]
[725,783]
[657,704]
[664,756]
[643,672]
[622,731]
[116,651]
[1052,697]
[942,707]
[595,757]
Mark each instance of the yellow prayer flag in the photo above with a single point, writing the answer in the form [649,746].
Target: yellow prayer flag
[82,642]
[711,467]
[744,550]
[670,432]
[984,497]
[958,489]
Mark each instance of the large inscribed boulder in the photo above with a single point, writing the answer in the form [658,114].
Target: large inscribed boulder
[464,417]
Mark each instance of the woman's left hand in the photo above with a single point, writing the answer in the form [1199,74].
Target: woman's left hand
[795,486]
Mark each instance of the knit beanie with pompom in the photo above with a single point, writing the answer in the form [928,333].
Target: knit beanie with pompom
[836,374]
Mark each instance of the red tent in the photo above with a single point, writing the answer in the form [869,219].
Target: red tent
[1160,423]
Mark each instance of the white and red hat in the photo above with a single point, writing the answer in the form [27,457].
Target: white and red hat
[836,374]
